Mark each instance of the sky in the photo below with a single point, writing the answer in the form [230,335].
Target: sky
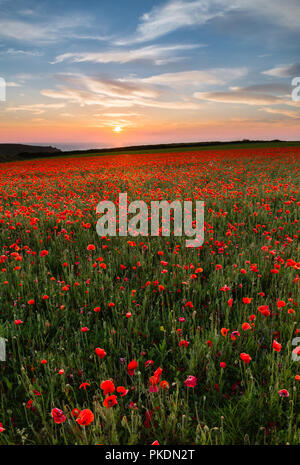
[90,74]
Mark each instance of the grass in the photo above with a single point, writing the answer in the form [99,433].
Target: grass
[143,286]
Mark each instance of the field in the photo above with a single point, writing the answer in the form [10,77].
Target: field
[132,340]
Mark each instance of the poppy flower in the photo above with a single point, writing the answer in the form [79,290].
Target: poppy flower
[108,387]
[84,385]
[58,416]
[164,385]
[224,331]
[132,366]
[110,401]
[75,412]
[85,417]
[121,390]
[283,393]
[245,357]
[191,381]
[1,428]
[246,326]
[276,346]
[100,352]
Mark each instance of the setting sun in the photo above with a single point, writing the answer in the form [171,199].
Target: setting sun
[118,129]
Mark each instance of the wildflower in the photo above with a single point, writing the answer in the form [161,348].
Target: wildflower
[276,346]
[224,331]
[18,322]
[84,385]
[191,381]
[222,364]
[184,343]
[85,417]
[283,393]
[122,391]
[246,326]
[75,412]
[108,387]
[280,304]
[148,363]
[245,357]
[132,366]
[110,401]
[100,352]
[1,428]
[58,416]
[164,385]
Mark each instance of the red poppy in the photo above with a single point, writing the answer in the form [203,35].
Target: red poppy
[110,401]
[100,352]
[121,390]
[108,387]
[85,417]
[58,416]
[276,346]
[132,366]
[245,357]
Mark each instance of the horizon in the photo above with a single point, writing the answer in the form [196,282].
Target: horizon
[153,73]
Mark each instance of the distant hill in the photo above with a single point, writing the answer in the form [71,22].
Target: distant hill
[11,152]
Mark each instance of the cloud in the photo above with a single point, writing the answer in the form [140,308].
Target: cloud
[37,108]
[109,93]
[13,84]
[178,14]
[283,71]
[279,111]
[159,54]
[279,89]
[196,78]
[51,30]
[239,97]
[12,51]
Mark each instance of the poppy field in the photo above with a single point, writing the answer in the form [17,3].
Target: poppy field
[141,340]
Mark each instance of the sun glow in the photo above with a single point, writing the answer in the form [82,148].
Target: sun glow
[118,129]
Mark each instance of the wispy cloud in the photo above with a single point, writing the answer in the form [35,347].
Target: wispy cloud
[16,52]
[178,14]
[283,71]
[159,54]
[50,30]
[37,108]
[238,97]
[259,94]
[196,78]
[109,93]
[280,111]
